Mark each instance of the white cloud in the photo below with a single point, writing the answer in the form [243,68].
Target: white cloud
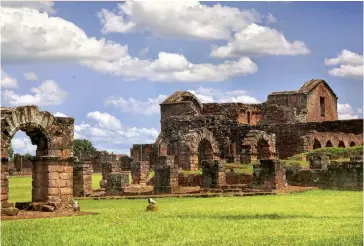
[105,120]
[177,19]
[130,105]
[346,112]
[351,65]
[23,146]
[8,81]
[59,114]
[104,128]
[30,36]
[175,67]
[43,6]
[30,76]
[48,93]
[259,40]
[209,95]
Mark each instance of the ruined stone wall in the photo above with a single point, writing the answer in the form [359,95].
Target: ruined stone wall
[238,112]
[313,105]
[140,172]
[117,183]
[284,114]
[269,175]
[181,108]
[336,175]
[230,179]
[296,138]
[289,99]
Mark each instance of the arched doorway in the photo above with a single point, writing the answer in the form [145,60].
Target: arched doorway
[53,137]
[352,144]
[341,144]
[329,144]
[205,151]
[316,144]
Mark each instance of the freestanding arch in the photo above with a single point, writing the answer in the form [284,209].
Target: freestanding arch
[52,170]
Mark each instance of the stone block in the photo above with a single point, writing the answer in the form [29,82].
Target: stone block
[9,211]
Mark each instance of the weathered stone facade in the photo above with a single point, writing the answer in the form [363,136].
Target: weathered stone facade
[269,175]
[52,168]
[140,172]
[287,124]
[166,176]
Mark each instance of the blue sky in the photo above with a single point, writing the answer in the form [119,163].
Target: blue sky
[109,66]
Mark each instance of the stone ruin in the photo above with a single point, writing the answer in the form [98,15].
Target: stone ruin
[196,135]
[52,167]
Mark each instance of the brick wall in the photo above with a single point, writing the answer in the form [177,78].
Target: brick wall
[313,105]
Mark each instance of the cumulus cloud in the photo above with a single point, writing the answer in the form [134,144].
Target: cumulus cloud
[103,128]
[7,81]
[346,112]
[31,76]
[131,105]
[48,93]
[105,120]
[259,40]
[177,19]
[242,28]
[351,65]
[29,36]
[23,146]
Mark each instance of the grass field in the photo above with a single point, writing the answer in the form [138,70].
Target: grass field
[309,218]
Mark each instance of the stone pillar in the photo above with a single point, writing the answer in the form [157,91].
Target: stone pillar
[213,173]
[53,181]
[269,175]
[166,175]
[116,183]
[82,178]
[4,182]
[140,172]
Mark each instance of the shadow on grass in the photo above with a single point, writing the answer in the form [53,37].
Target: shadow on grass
[272,216]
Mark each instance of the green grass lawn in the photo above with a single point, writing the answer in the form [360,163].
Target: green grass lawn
[310,218]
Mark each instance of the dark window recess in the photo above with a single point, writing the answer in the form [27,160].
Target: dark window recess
[322,106]
[248,117]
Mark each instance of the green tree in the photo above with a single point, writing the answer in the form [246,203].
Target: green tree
[11,152]
[82,146]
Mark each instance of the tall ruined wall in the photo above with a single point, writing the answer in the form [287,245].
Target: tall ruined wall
[181,108]
[313,105]
[289,107]
[241,113]
[141,152]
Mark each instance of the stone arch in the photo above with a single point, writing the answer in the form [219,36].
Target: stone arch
[316,144]
[329,144]
[341,144]
[352,144]
[189,148]
[258,145]
[54,139]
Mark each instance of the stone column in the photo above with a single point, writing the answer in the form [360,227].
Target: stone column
[166,175]
[53,181]
[82,178]
[4,182]
[213,173]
